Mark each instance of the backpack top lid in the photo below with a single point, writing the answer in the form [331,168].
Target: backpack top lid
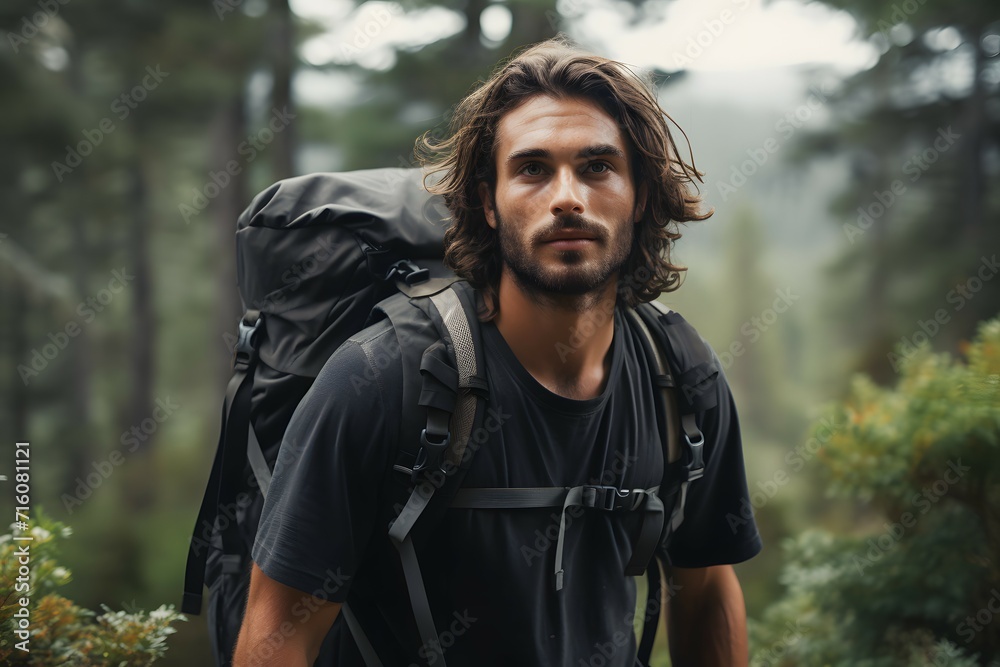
[313,253]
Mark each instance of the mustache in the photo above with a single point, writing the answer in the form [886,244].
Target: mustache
[571,221]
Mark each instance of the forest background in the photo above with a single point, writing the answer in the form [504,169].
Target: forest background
[849,149]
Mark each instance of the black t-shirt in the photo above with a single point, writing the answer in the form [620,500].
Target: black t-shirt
[489,573]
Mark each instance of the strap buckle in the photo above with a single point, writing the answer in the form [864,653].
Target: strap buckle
[430,454]
[408,272]
[696,468]
[245,350]
[607,498]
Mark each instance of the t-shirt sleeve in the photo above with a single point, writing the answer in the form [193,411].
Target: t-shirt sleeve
[717,529]
[322,504]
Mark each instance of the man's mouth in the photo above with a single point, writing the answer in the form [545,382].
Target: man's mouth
[569,239]
[569,243]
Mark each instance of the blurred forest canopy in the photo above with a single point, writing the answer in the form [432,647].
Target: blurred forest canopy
[922,132]
[135,133]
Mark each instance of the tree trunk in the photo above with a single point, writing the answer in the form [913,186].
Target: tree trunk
[140,489]
[281,94]
[19,352]
[228,130]
[531,23]
[975,140]
[878,332]
[83,451]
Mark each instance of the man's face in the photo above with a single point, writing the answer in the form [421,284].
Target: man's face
[564,205]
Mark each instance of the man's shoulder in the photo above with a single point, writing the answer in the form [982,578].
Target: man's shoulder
[366,362]
[688,346]
[379,334]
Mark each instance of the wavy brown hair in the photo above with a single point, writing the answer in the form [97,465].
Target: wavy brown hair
[557,68]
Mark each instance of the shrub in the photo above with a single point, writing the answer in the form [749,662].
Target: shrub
[918,580]
[60,632]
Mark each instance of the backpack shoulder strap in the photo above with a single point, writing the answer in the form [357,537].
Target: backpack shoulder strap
[445,385]
[687,372]
[443,372]
[682,361]
[664,380]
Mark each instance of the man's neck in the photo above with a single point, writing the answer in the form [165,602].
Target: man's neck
[564,344]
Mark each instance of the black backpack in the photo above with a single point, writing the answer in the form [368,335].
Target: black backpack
[322,257]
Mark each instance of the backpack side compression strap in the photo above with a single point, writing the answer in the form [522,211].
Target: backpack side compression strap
[258,464]
[226,469]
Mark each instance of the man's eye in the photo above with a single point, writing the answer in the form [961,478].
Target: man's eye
[531,169]
[603,167]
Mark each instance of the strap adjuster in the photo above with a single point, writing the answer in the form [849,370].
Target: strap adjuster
[607,498]
[696,468]
[430,454]
[245,350]
[408,272]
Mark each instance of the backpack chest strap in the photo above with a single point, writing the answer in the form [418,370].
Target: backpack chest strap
[587,496]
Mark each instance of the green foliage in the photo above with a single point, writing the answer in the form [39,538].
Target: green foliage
[908,587]
[61,633]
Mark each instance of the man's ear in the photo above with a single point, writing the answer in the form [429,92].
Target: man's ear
[488,208]
[640,202]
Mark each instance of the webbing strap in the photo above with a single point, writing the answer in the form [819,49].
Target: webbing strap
[227,468]
[419,602]
[235,410]
[496,498]
[574,497]
[677,518]
[649,536]
[414,507]
[194,572]
[589,496]
[258,463]
[360,638]
[652,615]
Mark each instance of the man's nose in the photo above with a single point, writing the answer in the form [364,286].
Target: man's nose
[566,196]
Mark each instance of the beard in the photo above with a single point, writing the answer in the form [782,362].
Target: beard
[573,281]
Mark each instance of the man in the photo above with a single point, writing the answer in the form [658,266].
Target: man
[565,189]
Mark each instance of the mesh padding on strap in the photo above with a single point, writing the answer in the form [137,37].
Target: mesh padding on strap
[454,317]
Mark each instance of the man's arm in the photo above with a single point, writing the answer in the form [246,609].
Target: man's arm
[282,625]
[706,618]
